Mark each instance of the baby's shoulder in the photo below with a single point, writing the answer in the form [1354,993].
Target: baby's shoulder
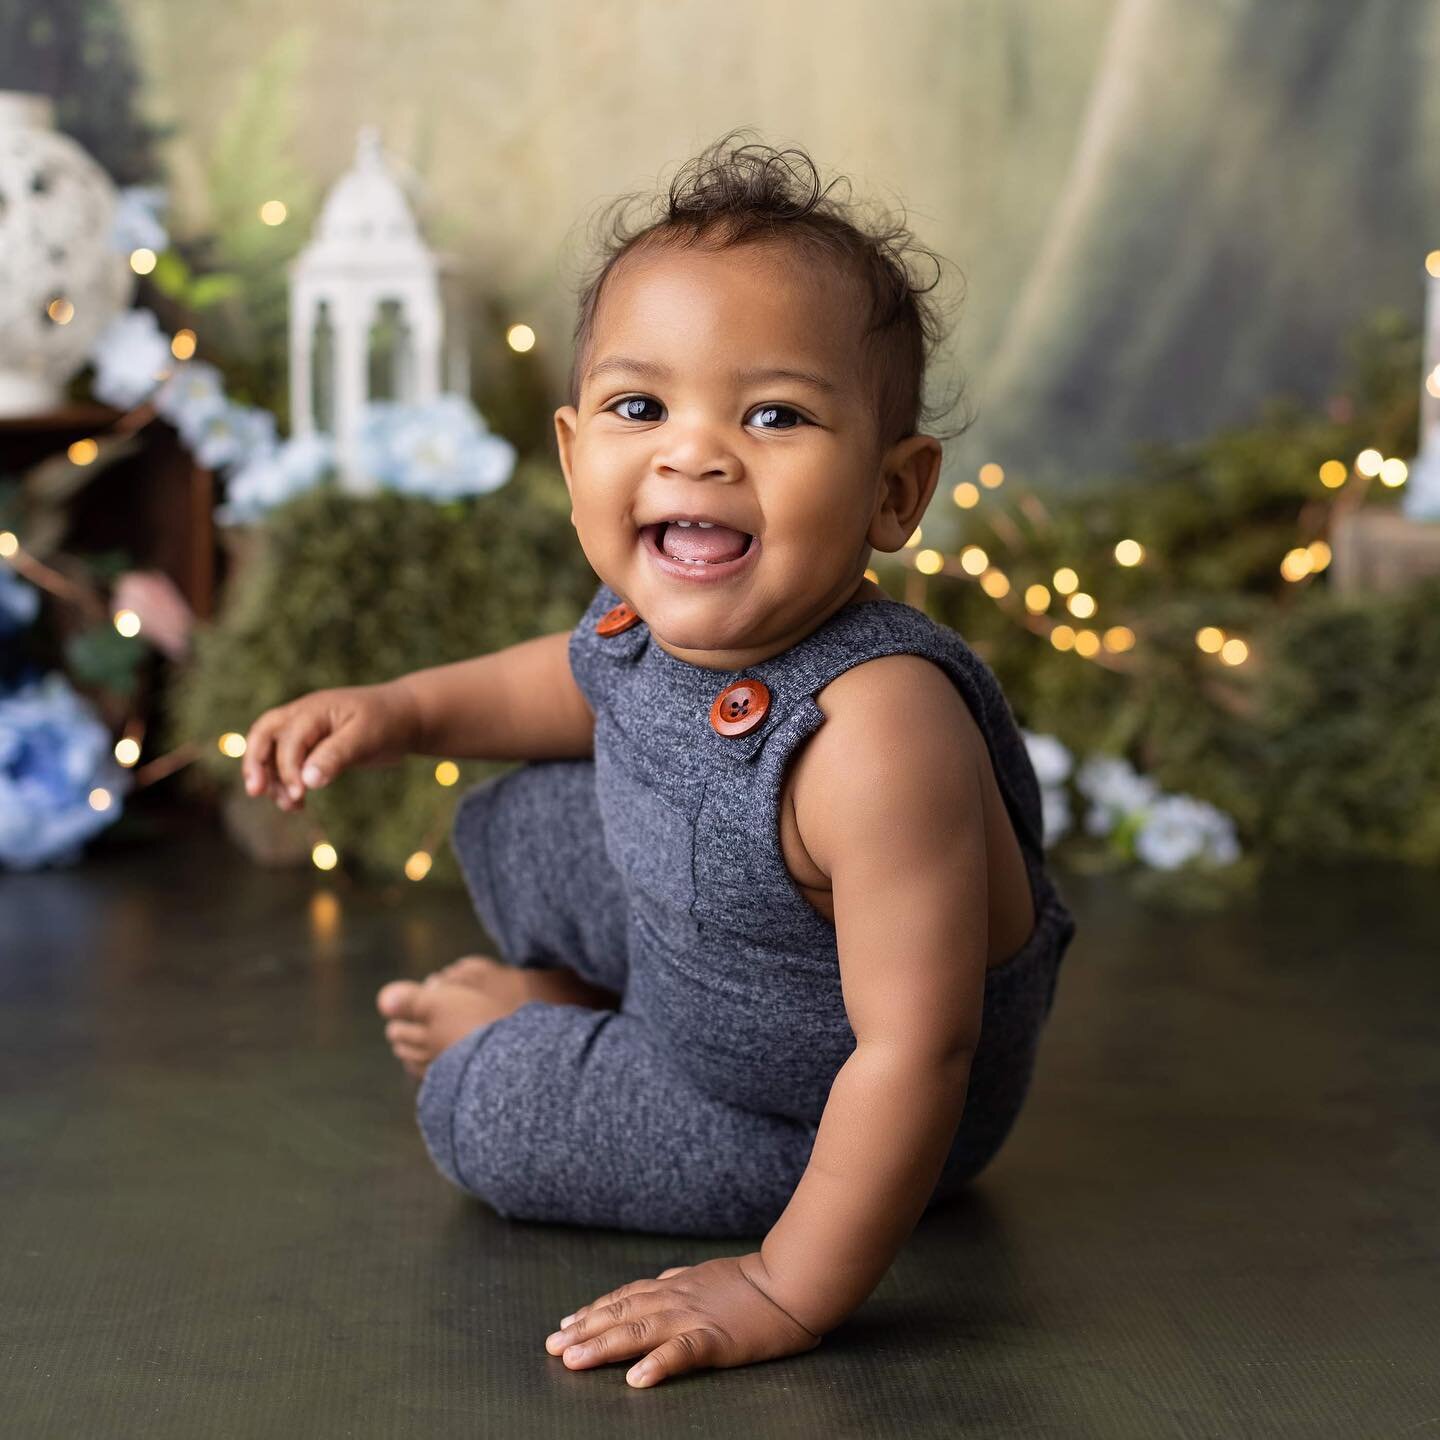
[903,707]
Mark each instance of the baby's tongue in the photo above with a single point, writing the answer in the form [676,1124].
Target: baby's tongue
[693,543]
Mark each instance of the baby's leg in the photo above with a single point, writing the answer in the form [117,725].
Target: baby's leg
[558,1113]
[532,852]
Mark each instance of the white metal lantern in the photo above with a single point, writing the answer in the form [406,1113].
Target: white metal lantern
[60,281]
[367,320]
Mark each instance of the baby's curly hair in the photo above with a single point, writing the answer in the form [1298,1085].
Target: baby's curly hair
[734,192]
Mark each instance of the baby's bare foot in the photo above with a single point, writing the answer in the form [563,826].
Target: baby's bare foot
[558,986]
[425,1018]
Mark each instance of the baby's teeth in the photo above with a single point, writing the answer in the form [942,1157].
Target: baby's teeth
[706,524]
[684,523]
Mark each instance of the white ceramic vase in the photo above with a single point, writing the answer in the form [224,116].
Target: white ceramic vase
[60,282]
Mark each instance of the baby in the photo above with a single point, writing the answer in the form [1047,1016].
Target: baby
[777,940]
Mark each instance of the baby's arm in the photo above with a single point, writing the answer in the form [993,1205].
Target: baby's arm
[894,817]
[520,703]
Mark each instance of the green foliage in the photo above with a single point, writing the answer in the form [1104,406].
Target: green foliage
[345,590]
[237,273]
[78,53]
[1325,744]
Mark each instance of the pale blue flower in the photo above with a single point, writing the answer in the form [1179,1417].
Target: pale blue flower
[137,220]
[1050,758]
[440,449]
[1055,810]
[234,435]
[131,357]
[274,476]
[54,751]
[192,396]
[19,602]
[1117,791]
[1180,828]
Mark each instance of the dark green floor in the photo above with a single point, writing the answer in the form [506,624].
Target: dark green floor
[1218,1216]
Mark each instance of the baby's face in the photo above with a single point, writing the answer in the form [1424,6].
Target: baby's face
[727,386]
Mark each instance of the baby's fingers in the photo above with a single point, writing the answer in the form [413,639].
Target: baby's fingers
[292,747]
[258,766]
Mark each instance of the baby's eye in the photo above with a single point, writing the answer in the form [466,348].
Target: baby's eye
[623,410]
[773,417]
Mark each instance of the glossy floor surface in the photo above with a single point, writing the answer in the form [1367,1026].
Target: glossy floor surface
[1219,1214]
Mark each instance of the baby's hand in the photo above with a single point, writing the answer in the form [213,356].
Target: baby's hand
[712,1314]
[308,742]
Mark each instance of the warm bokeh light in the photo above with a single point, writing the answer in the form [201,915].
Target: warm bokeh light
[127,751]
[1081,605]
[1065,580]
[127,622]
[1129,552]
[995,583]
[232,743]
[142,261]
[417,867]
[99,799]
[1234,652]
[1432,262]
[1210,639]
[872,576]
[1368,462]
[182,345]
[82,452]
[1333,474]
[273,212]
[324,915]
[447,772]
[966,495]
[324,856]
[1119,638]
[991,475]
[1432,382]
[520,338]
[60,310]
[914,540]
[1394,472]
[1087,643]
[1296,565]
[929,562]
[1320,554]
[973,560]
[1037,599]
[1062,637]
[9,543]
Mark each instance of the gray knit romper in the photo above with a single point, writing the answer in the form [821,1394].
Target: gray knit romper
[656,871]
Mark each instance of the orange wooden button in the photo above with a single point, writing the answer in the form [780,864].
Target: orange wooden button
[612,622]
[739,708]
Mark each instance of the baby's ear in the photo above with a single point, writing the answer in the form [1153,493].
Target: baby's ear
[565,420]
[909,473]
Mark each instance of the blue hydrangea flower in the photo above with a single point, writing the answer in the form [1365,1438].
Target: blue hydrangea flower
[1051,760]
[192,396]
[19,602]
[137,220]
[234,435]
[274,476]
[54,751]
[131,358]
[1055,812]
[1116,791]
[1180,828]
[440,449]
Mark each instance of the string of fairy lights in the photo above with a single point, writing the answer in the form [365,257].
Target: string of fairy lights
[1111,647]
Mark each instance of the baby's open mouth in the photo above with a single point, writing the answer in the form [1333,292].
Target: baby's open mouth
[698,542]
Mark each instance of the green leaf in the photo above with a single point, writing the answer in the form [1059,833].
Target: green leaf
[102,656]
